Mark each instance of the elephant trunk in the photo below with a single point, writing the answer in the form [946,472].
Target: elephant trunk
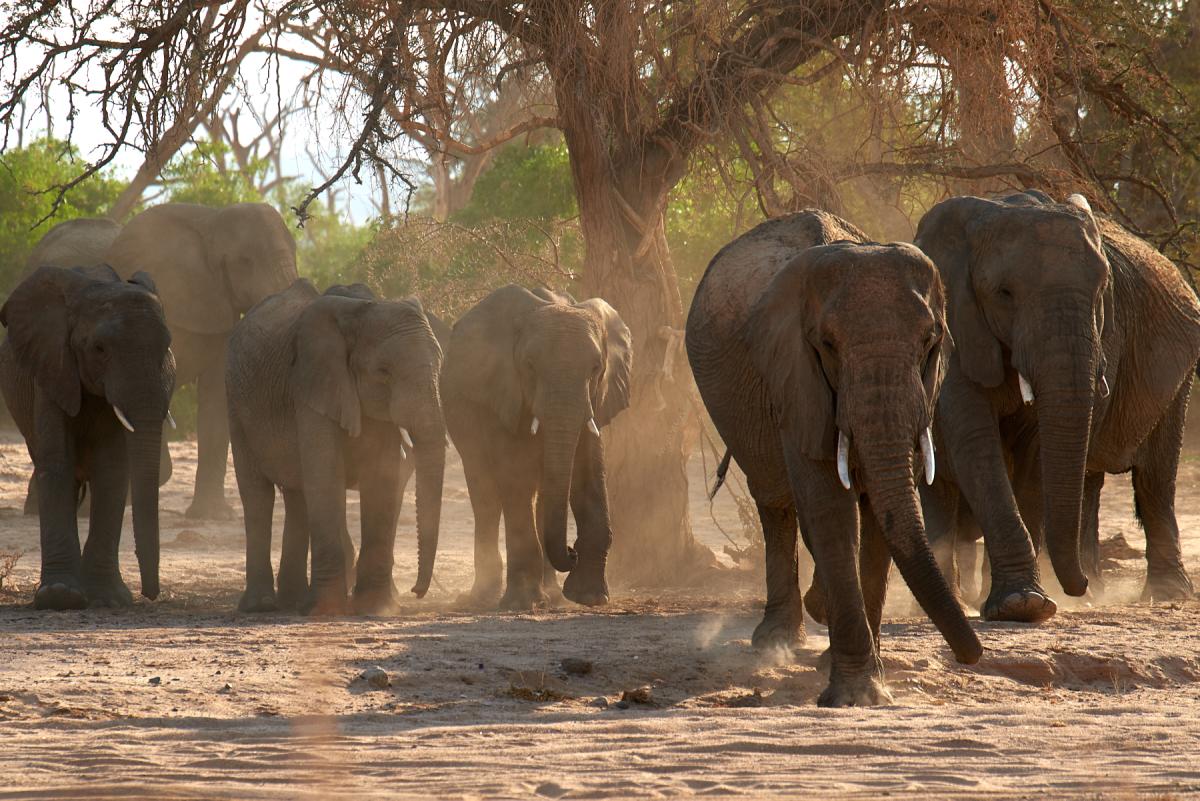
[429,440]
[561,437]
[1063,388]
[144,444]
[887,468]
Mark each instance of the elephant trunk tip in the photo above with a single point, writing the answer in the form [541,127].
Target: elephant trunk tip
[563,559]
[421,588]
[968,649]
[150,588]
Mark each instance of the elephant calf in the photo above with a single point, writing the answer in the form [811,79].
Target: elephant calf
[530,379]
[329,392]
[87,373]
[820,362]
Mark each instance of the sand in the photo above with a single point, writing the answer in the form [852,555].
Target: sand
[186,698]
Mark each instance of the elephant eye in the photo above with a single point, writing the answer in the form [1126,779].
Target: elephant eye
[1005,293]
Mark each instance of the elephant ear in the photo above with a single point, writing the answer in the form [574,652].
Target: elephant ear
[38,317]
[790,368]
[944,235]
[321,376]
[480,363]
[168,242]
[613,396]
[253,253]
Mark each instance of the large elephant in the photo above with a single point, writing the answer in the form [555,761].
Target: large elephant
[211,265]
[87,373]
[1075,345]
[530,379]
[326,393]
[819,356]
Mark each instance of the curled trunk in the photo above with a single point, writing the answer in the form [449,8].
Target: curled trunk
[144,447]
[887,470]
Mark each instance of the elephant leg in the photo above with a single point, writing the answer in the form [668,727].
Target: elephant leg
[293,561]
[258,505]
[782,625]
[523,590]
[212,438]
[61,586]
[109,482]
[978,458]
[322,465]
[483,487]
[1089,535]
[554,595]
[966,547]
[1154,473]
[874,559]
[587,583]
[375,592]
[831,519]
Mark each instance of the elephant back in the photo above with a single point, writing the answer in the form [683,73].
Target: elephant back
[82,242]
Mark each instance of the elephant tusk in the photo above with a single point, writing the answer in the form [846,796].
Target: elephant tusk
[1026,389]
[843,459]
[404,436]
[1104,390]
[533,428]
[171,420]
[927,455]
[403,453]
[124,420]
[593,427]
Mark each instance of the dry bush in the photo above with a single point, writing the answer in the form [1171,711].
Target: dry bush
[8,563]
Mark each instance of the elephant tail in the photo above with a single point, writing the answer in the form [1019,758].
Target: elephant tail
[722,469]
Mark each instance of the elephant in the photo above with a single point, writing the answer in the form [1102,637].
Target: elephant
[87,373]
[530,379]
[327,393]
[818,355]
[1075,346]
[211,265]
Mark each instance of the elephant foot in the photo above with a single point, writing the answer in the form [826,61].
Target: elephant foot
[523,598]
[1020,605]
[825,662]
[292,592]
[867,690]
[107,590]
[1171,584]
[327,602]
[585,590]
[483,596]
[380,600]
[209,509]
[258,599]
[60,592]
[778,629]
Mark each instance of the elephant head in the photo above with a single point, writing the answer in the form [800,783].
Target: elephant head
[356,357]
[1029,302]
[547,368]
[850,340]
[86,332]
[211,264]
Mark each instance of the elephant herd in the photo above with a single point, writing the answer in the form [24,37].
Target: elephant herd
[886,402]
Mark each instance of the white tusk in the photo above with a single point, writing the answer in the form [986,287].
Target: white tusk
[593,427]
[1079,201]
[404,436]
[1104,386]
[124,420]
[843,456]
[403,453]
[927,455]
[1026,389]
[171,420]
[533,428]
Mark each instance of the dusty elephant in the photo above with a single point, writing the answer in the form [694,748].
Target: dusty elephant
[326,393]
[211,265]
[1075,345]
[530,379]
[87,373]
[819,357]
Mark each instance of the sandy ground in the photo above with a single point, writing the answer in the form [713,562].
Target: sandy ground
[185,698]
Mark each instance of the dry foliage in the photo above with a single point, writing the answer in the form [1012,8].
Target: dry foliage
[8,563]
